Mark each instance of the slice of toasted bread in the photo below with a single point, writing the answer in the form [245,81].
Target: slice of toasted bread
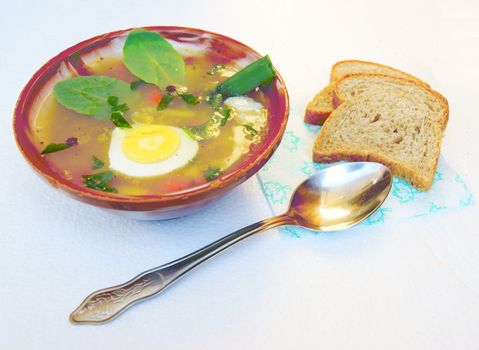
[342,68]
[395,121]
[322,104]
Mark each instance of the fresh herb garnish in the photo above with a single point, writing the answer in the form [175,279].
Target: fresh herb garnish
[96,163]
[172,92]
[257,73]
[117,111]
[226,113]
[249,128]
[113,100]
[190,99]
[206,130]
[153,59]
[165,101]
[89,95]
[211,173]
[56,147]
[216,68]
[119,120]
[136,84]
[99,181]
[215,100]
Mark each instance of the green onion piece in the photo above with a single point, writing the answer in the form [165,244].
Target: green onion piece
[96,163]
[253,75]
[165,101]
[99,181]
[211,173]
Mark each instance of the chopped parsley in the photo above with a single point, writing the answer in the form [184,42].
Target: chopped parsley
[99,181]
[119,120]
[215,100]
[117,111]
[226,113]
[211,173]
[249,128]
[165,101]
[172,92]
[56,147]
[190,99]
[216,68]
[96,163]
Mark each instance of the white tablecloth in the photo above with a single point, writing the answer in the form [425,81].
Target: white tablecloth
[408,285]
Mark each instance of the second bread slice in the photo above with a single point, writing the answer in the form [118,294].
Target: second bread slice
[321,106]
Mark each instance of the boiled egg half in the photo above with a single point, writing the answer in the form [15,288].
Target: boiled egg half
[150,150]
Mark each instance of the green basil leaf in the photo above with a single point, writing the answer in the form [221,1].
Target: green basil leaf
[96,163]
[153,59]
[99,181]
[89,95]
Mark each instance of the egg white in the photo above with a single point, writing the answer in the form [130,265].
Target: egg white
[121,163]
[247,110]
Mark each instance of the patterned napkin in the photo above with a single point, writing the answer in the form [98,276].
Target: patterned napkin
[291,164]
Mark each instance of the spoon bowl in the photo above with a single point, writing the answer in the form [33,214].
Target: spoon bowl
[335,198]
[340,196]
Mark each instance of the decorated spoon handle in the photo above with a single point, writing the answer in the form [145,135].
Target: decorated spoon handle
[105,304]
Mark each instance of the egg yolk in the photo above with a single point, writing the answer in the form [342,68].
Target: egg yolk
[150,143]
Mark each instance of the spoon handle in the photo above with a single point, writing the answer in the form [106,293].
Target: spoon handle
[105,304]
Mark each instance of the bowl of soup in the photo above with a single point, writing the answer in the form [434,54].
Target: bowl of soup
[151,123]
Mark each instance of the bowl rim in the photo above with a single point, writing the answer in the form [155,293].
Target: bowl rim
[265,150]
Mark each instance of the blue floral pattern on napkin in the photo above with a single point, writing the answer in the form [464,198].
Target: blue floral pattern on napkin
[291,164]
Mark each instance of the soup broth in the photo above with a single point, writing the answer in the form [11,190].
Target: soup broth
[229,148]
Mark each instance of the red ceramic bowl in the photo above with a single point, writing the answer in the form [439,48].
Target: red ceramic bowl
[72,62]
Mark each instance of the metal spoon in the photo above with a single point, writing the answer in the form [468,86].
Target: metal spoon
[333,199]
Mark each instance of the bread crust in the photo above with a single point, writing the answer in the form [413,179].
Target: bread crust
[334,75]
[317,116]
